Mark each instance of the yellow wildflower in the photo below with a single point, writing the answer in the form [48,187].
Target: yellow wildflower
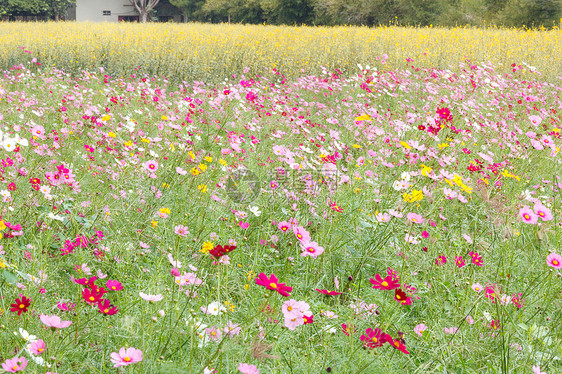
[426,170]
[164,118]
[405,145]
[364,117]
[206,247]
[209,159]
[145,140]
[154,224]
[202,188]
[222,162]
[356,146]
[190,153]
[195,171]
[164,210]
[112,134]
[203,167]
[2,226]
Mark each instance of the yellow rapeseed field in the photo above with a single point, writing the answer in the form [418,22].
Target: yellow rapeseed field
[205,51]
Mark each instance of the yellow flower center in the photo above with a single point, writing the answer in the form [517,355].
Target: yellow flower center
[127,359]
[113,287]
[40,349]
[106,310]
[555,262]
[375,339]
[384,284]
[22,306]
[289,308]
[273,285]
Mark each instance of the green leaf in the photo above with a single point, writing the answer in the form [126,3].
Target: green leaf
[10,277]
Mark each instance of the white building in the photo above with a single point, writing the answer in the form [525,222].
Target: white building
[120,10]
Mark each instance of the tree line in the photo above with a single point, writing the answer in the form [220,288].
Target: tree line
[509,13]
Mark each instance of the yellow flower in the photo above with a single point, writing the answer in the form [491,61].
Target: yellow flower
[222,162]
[165,210]
[405,145]
[457,179]
[426,170]
[246,286]
[465,188]
[165,185]
[357,146]
[443,145]
[485,180]
[203,167]
[154,224]
[206,247]
[250,275]
[416,195]
[2,264]
[195,171]
[364,117]
[202,188]
[164,118]
[190,153]
[209,159]
[2,226]
[128,143]
[145,140]
[107,117]
[112,134]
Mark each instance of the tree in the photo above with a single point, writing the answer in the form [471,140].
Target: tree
[58,8]
[191,8]
[143,7]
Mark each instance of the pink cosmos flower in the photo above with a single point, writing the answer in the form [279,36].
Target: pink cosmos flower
[54,322]
[451,330]
[477,287]
[543,212]
[419,329]
[37,347]
[415,218]
[15,364]
[527,215]
[213,333]
[126,357]
[151,165]
[248,369]
[301,234]
[469,320]
[311,249]
[151,298]
[181,230]
[537,370]
[554,260]
[232,329]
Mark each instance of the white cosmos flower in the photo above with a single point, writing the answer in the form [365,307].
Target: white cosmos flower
[26,336]
[255,210]
[9,144]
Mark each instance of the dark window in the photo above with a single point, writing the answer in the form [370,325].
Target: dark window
[107,12]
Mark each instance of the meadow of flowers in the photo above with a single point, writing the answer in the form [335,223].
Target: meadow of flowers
[209,52]
[385,221]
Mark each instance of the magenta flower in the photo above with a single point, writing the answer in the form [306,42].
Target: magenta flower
[248,369]
[113,285]
[37,347]
[272,283]
[54,322]
[459,261]
[554,260]
[15,364]
[126,357]
[527,215]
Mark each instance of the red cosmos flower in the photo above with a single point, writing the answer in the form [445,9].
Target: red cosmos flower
[220,251]
[517,301]
[373,338]
[401,297]
[330,293]
[335,207]
[348,329]
[308,317]
[444,113]
[21,305]
[12,186]
[34,180]
[91,296]
[105,307]
[272,283]
[397,344]
[387,283]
